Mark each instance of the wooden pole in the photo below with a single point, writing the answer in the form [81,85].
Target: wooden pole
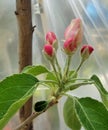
[24,18]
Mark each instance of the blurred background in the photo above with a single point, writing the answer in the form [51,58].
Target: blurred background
[56,15]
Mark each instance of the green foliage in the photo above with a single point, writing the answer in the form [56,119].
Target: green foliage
[72,74]
[35,70]
[17,89]
[92,114]
[99,85]
[14,92]
[40,106]
[51,76]
[101,89]
[70,116]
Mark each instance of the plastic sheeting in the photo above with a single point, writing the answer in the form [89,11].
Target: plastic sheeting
[55,15]
[8,38]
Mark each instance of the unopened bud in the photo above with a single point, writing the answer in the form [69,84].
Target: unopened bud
[86,50]
[69,46]
[49,51]
[74,30]
[51,39]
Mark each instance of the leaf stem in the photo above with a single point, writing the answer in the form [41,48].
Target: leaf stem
[75,79]
[77,85]
[48,81]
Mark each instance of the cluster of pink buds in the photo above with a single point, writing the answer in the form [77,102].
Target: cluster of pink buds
[51,45]
[73,38]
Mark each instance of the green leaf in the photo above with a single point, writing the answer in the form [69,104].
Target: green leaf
[40,106]
[101,89]
[72,86]
[14,92]
[72,74]
[99,84]
[51,76]
[70,115]
[35,70]
[92,114]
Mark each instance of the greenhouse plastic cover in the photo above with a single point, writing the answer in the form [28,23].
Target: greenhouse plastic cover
[56,15]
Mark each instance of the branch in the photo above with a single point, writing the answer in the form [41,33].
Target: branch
[25,29]
[28,121]
[34,115]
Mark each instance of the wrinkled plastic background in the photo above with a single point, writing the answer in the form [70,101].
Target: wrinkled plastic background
[55,15]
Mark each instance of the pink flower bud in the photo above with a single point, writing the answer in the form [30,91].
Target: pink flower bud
[51,38]
[48,50]
[69,46]
[74,30]
[86,50]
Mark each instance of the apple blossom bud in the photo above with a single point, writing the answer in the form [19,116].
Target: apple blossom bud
[51,39]
[74,30]
[48,50]
[69,46]
[86,50]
